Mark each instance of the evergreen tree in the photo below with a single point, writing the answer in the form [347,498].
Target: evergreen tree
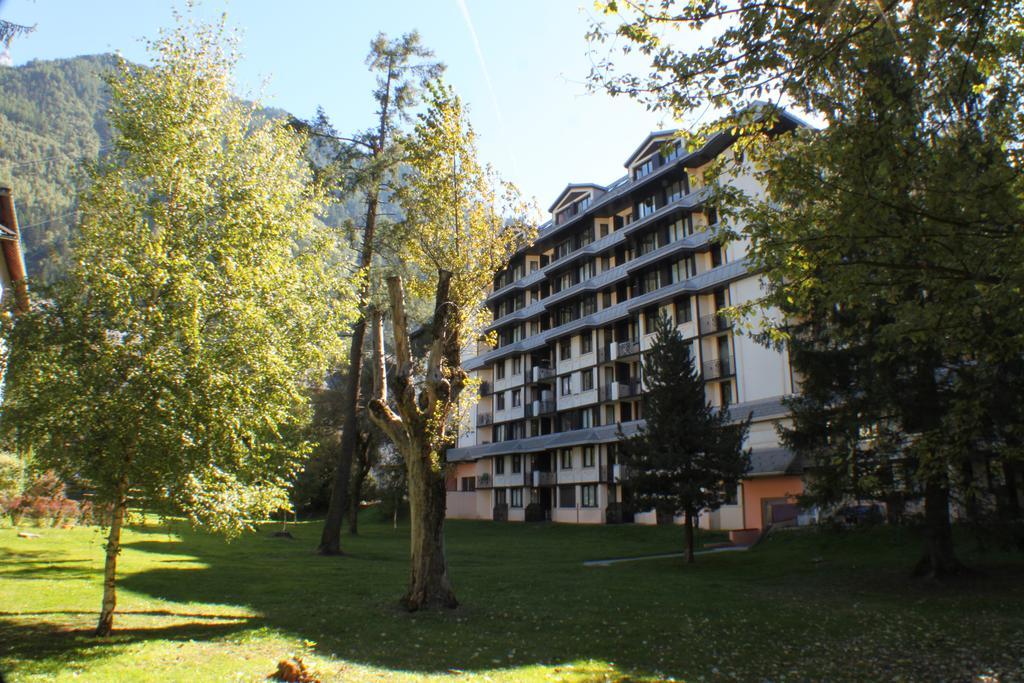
[687,456]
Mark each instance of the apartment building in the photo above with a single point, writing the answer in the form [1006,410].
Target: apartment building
[574,311]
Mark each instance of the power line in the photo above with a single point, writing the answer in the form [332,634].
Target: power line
[51,219]
[17,164]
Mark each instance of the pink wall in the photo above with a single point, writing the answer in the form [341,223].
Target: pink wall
[756,491]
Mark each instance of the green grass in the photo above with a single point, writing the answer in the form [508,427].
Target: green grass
[801,606]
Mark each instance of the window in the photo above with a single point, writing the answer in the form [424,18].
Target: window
[732,494]
[566,496]
[644,168]
[587,342]
[517,498]
[499,497]
[588,306]
[566,385]
[676,190]
[712,214]
[499,370]
[517,464]
[588,456]
[726,389]
[517,398]
[651,318]
[517,365]
[566,459]
[499,401]
[646,207]
[588,496]
[565,349]
[468,484]
[606,298]
[587,380]
[684,313]
[716,255]
[499,465]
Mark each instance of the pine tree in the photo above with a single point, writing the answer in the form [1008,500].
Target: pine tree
[687,456]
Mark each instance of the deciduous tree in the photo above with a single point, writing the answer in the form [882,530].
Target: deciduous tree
[171,365]
[462,225]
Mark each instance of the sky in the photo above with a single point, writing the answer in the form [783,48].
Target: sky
[521,67]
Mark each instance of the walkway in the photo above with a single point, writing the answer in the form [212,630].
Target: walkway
[617,560]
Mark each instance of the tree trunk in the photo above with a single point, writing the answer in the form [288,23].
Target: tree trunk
[330,537]
[428,576]
[689,537]
[939,559]
[360,468]
[106,622]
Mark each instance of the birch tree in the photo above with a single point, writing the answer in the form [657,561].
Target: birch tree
[171,366]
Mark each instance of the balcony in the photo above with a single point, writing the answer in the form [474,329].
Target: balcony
[538,408]
[615,391]
[542,374]
[484,419]
[715,322]
[485,388]
[604,354]
[717,368]
[543,478]
[627,348]
[484,481]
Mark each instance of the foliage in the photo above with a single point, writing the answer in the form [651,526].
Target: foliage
[44,500]
[174,356]
[12,474]
[891,241]
[687,456]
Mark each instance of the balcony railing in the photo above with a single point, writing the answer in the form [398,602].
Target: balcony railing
[484,481]
[538,408]
[714,322]
[543,478]
[615,391]
[484,419]
[627,348]
[541,373]
[718,367]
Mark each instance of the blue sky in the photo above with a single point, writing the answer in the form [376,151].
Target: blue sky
[540,128]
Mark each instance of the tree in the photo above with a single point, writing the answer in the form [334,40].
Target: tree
[172,363]
[687,456]
[459,234]
[891,241]
[402,67]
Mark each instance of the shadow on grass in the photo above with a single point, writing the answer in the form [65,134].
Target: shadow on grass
[794,602]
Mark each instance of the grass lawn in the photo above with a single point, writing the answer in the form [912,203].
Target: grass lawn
[801,606]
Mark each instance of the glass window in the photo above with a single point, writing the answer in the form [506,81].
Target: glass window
[499,464]
[588,496]
[684,313]
[566,496]
[566,385]
[517,398]
[469,484]
[587,342]
[517,464]
[566,459]
[588,456]
[587,380]
[517,498]
[565,349]
[499,401]
[499,496]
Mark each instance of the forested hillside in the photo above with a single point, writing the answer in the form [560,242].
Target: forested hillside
[52,122]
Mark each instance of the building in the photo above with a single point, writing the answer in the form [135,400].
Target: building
[573,312]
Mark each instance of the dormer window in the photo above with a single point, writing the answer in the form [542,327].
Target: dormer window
[644,169]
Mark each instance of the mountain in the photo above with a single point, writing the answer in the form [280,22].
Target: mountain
[52,121]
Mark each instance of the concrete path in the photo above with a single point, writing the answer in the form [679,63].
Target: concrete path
[617,560]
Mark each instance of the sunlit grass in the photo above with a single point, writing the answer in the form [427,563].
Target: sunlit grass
[801,606]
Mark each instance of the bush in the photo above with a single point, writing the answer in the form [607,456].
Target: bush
[44,501]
